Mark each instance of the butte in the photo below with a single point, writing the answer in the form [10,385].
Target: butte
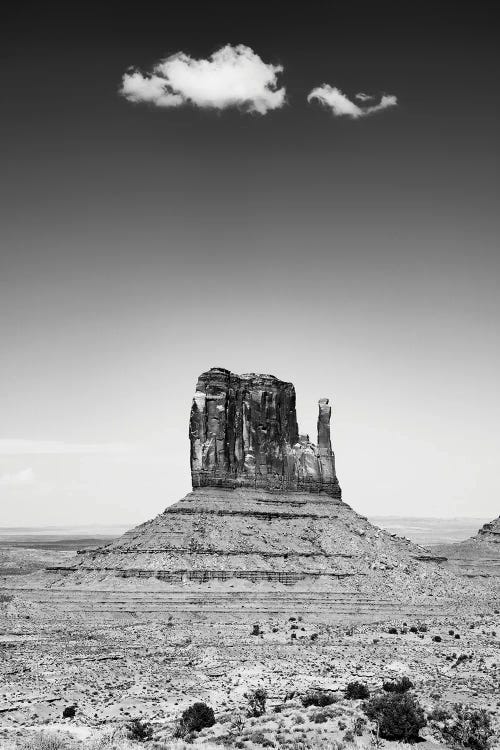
[264,529]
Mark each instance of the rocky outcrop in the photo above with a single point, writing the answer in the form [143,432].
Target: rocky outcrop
[243,432]
[478,556]
[490,531]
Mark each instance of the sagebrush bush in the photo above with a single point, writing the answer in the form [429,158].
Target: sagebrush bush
[139,731]
[196,717]
[356,691]
[399,716]
[45,741]
[257,702]
[439,714]
[469,727]
[319,698]
[398,686]
[359,725]
[319,717]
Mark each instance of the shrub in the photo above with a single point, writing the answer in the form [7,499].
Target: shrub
[469,727]
[46,741]
[69,712]
[258,738]
[138,730]
[359,725]
[399,686]
[356,691]
[393,631]
[436,638]
[257,702]
[238,723]
[255,630]
[349,736]
[413,629]
[439,714]
[423,628]
[319,698]
[196,717]
[398,715]
[319,717]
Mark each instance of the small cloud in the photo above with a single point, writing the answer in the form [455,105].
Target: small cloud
[22,477]
[364,97]
[342,106]
[16,447]
[231,77]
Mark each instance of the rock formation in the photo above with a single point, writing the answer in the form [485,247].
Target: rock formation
[478,556]
[244,433]
[490,532]
[265,509]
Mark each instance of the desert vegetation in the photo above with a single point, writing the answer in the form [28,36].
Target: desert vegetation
[390,717]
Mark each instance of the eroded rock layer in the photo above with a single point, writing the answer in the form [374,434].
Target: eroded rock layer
[216,534]
[243,432]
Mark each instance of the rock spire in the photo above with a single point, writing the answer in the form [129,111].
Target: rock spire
[243,432]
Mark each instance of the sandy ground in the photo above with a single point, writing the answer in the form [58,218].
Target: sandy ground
[115,670]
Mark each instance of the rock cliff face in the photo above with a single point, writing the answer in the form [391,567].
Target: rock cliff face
[243,432]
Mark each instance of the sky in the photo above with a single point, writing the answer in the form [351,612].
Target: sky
[287,231]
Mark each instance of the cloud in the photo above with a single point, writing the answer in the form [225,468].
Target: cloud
[231,77]
[22,477]
[16,447]
[364,97]
[341,106]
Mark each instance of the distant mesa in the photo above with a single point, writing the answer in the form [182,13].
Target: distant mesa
[244,433]
[478,556]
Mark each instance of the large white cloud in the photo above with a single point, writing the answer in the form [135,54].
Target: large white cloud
[341,106]
[231,77]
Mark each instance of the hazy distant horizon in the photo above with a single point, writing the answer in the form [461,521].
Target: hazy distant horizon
[95,526]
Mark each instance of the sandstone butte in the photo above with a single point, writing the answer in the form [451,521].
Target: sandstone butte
[265,518]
